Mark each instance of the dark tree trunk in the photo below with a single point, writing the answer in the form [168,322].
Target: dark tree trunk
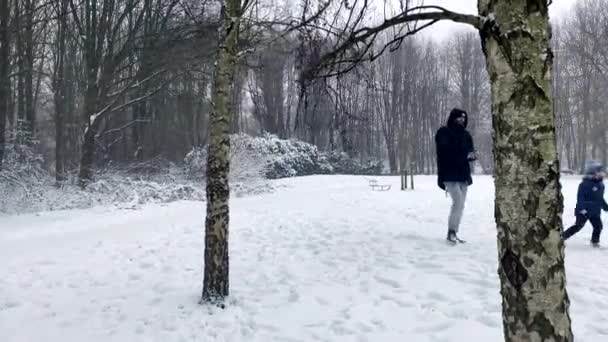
[87,157]
[28,55]
[392,156]
[4,74]
[60,98]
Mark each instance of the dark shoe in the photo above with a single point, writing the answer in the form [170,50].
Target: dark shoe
[595,244]
[452,236]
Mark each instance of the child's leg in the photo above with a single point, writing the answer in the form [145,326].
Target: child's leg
[596,222]
[578,225]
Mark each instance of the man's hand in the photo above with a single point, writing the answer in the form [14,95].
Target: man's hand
[583,212]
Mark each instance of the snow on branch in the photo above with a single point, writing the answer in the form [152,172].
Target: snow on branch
[95,118]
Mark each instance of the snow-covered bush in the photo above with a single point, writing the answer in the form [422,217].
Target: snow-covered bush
[341,163]
[22,178]
[278,158]
[111,188]
[21,160]
[27,187]
[195,163]
[246,166]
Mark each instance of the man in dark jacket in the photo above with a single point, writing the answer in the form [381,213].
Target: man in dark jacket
[455,151]
[589,202]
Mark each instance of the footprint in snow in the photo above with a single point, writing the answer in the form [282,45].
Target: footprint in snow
[428,265]
[364,286]
[339,329]
[388,282]
[396,301]
[146,265]
[134,277]
[293,295]
[434,295]
[321,301]
[433,328]
[489,321]
[155,301]
[10,304]
[364,327]
[265,327]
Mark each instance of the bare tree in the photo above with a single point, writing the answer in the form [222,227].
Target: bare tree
[470,83]
[110,33]
[390,95]
[581,80]
[267,90]
[60,85]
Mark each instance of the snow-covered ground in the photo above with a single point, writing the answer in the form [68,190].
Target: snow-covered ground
[322,259]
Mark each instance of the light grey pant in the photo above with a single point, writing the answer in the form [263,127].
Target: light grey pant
[458,192]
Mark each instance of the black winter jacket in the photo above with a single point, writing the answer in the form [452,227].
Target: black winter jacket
[454,143]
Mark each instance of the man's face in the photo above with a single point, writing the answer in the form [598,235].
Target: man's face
[461,120]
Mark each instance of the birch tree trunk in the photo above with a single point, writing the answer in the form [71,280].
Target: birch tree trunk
[216,271]
[529,204]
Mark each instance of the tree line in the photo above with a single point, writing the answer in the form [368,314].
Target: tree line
[581,83]
[110,82]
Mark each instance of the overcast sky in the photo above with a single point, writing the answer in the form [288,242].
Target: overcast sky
[443,29]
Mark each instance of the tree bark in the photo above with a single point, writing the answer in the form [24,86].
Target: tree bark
[28,55]
[19,64]
[529,203]
[87,157]
[59,88]
[4,73]
[216,271]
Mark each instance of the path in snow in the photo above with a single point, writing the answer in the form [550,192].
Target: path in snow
[323,259]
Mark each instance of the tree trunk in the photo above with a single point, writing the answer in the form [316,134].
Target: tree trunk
[28,55]
[216,272]
[529,204]
[4,72]
[19,64]
[87,157]
[59,88]
[60,175]
[392,156]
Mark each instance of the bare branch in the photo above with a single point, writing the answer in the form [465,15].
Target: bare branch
[96,118]
[123,127]
[367,35]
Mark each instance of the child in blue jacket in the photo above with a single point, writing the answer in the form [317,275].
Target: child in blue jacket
[590,202]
